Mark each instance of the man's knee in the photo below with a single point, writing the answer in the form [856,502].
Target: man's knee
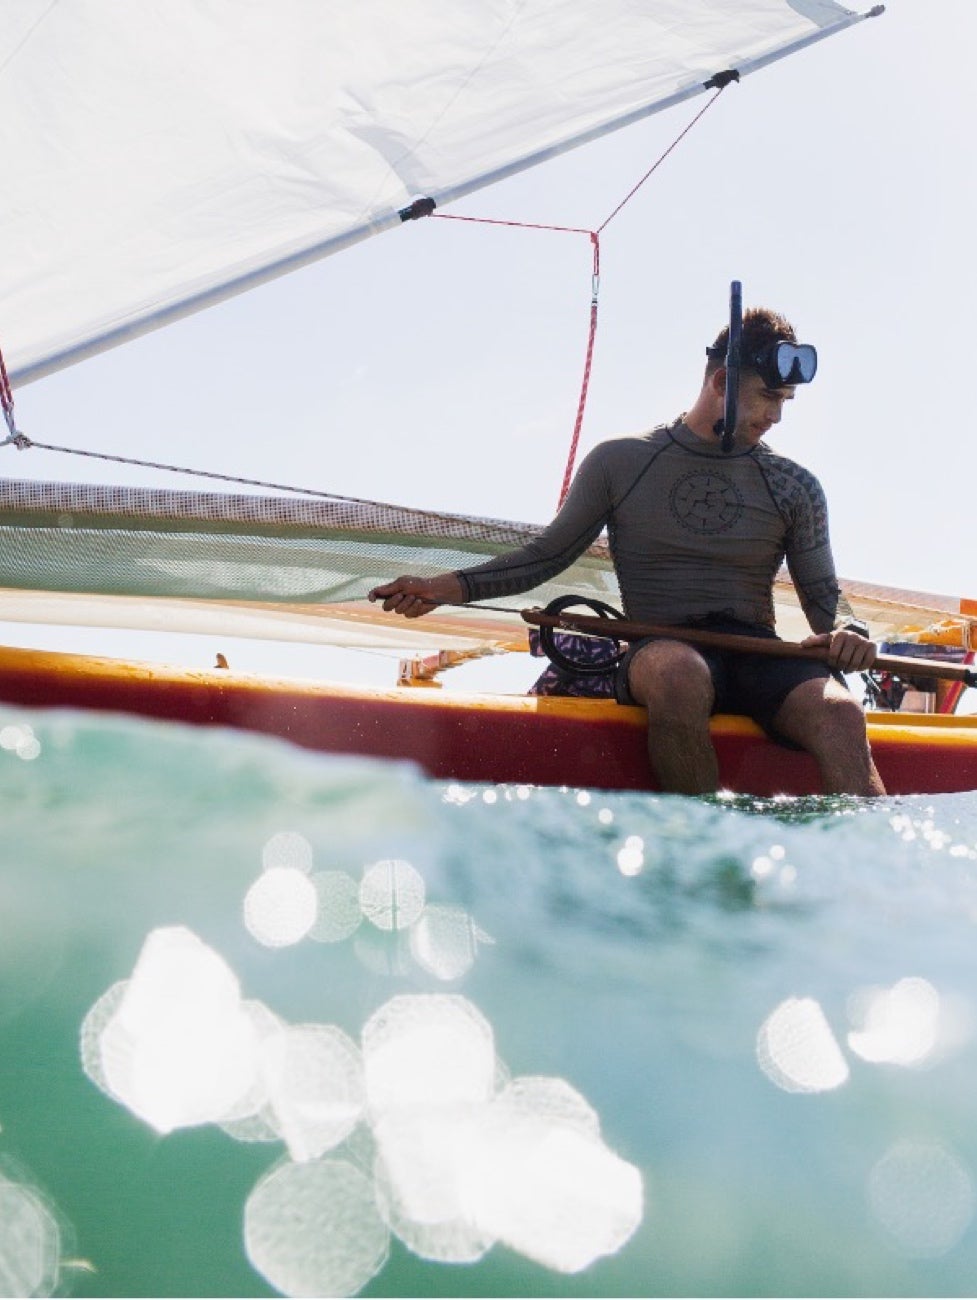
[822,715]
[827,721]
[671,680]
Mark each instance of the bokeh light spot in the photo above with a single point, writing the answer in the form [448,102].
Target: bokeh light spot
[554,1192]
[923,1197]
[392,894]
[314,1229]
[21,741]
[30,1242]
[179,1049]
[549,1098]
[797,1050]
[444,942]
[423,1156]
[92,1028]
[314,1079]
[339,914]
[631,856]
[899,1026]
[287,849]
[427,1049]
[280,907]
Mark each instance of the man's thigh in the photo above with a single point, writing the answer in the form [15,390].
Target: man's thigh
[655,655]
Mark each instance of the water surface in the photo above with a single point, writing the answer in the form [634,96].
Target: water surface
[613,1044]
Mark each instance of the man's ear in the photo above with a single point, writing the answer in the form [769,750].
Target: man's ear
[717,381]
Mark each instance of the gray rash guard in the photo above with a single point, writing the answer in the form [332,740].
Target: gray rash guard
[693,531]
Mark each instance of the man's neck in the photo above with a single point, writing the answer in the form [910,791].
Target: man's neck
[701,422]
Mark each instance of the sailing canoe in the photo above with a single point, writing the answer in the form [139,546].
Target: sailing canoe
[467,737]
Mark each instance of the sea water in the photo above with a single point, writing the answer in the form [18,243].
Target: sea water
[278,1023]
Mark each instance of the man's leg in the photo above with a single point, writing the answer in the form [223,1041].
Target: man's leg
[673,683]
[824,718]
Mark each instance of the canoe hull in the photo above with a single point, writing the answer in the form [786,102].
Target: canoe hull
[464,737]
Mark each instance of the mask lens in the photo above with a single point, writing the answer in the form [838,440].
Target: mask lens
[795,363]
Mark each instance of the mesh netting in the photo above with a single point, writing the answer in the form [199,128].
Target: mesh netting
[317,555]
[146,542]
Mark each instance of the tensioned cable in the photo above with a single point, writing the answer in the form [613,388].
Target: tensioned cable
[23,443]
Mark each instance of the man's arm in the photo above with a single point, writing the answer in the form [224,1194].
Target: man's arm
[812,570]
[575,526]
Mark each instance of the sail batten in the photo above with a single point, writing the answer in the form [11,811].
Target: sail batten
[184,152]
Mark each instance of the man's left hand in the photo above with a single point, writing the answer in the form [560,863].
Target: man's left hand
[850,652]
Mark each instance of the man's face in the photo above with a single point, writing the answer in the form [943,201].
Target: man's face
[759,407]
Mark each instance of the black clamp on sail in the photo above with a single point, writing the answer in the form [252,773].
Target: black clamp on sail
[725,429]
[419,208]
[720,80]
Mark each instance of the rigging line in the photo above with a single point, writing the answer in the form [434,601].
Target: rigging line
[654,167]
[592,336]
[588,364]
[593,235]
[23,443]
[479,606]
[519,225]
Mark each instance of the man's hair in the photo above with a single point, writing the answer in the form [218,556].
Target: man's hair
[761,327]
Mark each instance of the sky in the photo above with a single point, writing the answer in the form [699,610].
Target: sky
[439,365]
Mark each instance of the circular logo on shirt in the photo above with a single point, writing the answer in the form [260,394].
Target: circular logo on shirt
[706,501]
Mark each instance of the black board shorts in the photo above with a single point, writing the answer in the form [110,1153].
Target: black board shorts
[751,684]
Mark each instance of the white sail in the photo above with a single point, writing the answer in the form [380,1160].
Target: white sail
[161,155]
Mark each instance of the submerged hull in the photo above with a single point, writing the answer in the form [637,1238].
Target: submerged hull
[466,737]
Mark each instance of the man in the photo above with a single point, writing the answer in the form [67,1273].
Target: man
[697,536]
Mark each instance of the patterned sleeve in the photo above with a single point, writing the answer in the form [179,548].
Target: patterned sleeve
[578,523]
[809,558]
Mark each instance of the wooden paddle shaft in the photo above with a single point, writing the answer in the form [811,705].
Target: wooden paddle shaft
[622,630]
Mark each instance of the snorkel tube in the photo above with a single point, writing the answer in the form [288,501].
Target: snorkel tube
[725,429]
[781,363]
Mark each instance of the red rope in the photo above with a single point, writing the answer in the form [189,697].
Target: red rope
[522,225]
[588,362]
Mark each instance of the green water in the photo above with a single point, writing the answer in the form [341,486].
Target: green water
[770,1008]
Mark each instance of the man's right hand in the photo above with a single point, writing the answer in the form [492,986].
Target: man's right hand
[413,597]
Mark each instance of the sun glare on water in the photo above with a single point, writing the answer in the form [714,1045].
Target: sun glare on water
[415,1130]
